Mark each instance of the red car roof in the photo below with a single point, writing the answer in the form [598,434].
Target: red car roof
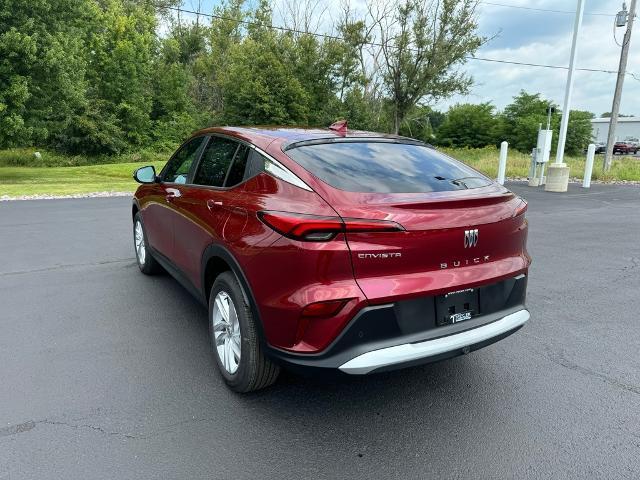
[263,136]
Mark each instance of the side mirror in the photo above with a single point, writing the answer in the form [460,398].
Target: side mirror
[145,174]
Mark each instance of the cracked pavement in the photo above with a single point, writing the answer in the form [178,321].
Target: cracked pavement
[105,373]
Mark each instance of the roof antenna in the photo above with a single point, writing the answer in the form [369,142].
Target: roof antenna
[340,127]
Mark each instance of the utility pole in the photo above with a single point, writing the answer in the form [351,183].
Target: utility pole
[569,88]
[615,109]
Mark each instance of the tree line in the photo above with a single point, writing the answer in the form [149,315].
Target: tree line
[475,126]
[107,76]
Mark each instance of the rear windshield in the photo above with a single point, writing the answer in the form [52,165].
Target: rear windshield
[369,166]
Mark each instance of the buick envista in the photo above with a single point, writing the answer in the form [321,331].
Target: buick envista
[333,250]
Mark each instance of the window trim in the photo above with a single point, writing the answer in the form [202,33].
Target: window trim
[213,187]
[291,177]
[239,142]
[284,173]
[196,160]
[226,173]
[233,161]
[194,166]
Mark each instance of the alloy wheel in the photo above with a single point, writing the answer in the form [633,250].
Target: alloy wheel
[141,250]
[226,328]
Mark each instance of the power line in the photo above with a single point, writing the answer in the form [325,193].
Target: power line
[521,7]
[542,65]
[335,37]
[258,24]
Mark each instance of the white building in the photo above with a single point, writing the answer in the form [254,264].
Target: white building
[628,129]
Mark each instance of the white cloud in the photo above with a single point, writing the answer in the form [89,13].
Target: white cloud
[593,91]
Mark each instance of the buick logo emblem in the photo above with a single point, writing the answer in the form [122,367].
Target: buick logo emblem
[470,238]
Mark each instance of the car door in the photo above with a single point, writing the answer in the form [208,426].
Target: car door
[159,213]
[203,203]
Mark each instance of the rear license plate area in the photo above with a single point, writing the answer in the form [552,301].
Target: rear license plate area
[458,306]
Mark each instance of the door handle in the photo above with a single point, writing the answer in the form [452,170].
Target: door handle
[172,193]
[214,204]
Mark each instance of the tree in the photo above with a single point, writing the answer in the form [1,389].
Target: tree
[316,66]
[174,114]
[422,44]
[468,125]
[259,86]
[358,109]
[359,83]
[105,76]
[520,121]
[122,52]
[303,15]
[579,132]
[14,88]
[42,65]
[209,68]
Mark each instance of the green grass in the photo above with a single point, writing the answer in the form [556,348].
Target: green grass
[486,160]
[22,173]
[115,177]
[55,174]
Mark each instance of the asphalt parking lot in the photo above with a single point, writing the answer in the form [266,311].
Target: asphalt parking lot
[105,373]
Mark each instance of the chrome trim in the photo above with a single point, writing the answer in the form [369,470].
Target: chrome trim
[275,168]
[407,352]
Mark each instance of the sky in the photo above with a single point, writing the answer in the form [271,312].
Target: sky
[531,36]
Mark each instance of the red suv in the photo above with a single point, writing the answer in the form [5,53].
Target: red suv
[333,250]
[625,148]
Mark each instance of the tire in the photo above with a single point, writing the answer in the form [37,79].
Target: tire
[147,264]
[252,370]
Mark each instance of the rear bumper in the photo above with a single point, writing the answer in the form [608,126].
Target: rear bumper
[406,333]
[409,353]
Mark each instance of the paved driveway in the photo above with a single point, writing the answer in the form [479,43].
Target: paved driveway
[105,373]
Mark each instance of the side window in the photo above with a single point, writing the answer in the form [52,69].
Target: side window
[215,162]
[238,167]
[178,167]
[255,166]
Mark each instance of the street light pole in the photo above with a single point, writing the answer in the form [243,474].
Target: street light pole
[569,88]
[615,109]
[558,172]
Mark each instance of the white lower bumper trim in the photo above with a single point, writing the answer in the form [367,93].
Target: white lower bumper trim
[407,352]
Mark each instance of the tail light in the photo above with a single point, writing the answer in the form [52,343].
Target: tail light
[521,208]
[313,228]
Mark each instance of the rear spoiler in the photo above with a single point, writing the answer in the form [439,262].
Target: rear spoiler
[321,141]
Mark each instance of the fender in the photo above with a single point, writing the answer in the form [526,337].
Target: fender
[135,203]
[217,250]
